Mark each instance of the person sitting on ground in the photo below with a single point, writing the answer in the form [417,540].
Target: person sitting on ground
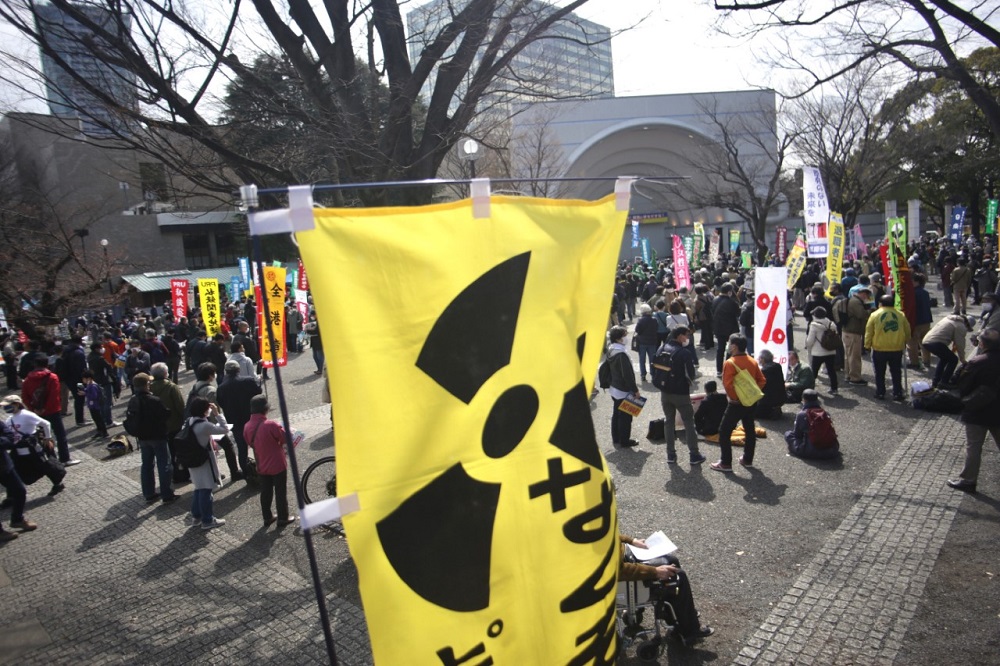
[769,406]
[710,411]
[813,435]
[800,378]
[668,569]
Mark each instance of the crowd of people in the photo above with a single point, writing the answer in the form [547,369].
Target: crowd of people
[844,323]
[98,357]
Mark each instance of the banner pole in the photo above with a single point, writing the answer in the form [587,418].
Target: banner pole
[331,652]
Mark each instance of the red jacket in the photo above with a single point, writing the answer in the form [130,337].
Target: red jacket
[35,382]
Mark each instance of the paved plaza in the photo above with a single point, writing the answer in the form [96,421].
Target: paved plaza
[793,562]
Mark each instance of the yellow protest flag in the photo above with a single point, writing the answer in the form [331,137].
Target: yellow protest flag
[796,262]
[487,527]
[273,307]
[835,258]
[211,308]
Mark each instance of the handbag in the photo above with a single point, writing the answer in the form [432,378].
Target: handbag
[656,430]
[635,342]
[746,388]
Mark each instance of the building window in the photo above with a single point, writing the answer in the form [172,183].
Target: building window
[226,250]
[196,251]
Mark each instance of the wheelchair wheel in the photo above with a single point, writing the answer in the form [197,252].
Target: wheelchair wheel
[319,481]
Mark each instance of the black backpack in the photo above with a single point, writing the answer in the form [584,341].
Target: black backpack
[133,416]
[186,448]
[829,340]
[604,374]
[664,368]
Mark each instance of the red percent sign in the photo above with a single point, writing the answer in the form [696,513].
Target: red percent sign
[771,334]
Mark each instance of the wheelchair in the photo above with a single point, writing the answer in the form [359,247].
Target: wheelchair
[633,599]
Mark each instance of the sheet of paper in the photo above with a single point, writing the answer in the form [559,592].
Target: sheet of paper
[657,544]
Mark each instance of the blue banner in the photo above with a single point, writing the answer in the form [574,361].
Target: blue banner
[957,222]
[234,289]
[245,272]
[635,233]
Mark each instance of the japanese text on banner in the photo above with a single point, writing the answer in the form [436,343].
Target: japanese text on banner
[179,298]
[816,212]
[681,272]
[713,247]
[211,307]
[796,262]
[734,240]
[771,312]
[490,463]
[273,291]
[303,279]
[835,262]
[781,246]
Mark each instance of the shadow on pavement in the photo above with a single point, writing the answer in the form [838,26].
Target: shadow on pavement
[250,552]
[689,484]
[759,489]
[177,553]
[628,461]
[121,518]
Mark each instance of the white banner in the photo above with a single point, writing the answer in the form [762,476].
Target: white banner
[913,220]
[816,213]
[771,314]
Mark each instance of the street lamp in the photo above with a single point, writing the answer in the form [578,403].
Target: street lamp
[107,266]
[469,150]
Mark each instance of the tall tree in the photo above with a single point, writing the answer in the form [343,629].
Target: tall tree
[740,169]
[854,133]
[45,271]
[951,152]
[180,52]
[925,37]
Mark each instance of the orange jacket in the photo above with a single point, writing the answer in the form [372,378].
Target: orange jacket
[732,366]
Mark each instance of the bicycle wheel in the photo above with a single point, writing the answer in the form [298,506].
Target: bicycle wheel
[319,481]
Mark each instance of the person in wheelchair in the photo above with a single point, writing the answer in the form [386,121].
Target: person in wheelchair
[667,582]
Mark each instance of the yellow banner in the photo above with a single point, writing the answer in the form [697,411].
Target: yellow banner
[796,262]
[274,294]
[211,308]
[487,529]
[835,257]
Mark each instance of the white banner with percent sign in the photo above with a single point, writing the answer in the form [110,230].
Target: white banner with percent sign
[771,314]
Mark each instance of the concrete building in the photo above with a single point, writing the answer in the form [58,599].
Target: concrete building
[69,41]
[153,220]
[660,136]
[573,60]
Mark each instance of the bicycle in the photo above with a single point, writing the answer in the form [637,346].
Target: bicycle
[319,481]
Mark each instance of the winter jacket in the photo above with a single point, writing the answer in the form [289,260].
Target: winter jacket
[887,330]
[45,383]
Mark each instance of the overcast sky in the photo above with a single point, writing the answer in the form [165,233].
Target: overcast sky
[675,49]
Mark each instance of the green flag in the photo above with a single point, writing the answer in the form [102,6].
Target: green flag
[991,216]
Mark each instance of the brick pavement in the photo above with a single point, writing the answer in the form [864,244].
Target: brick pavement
[110,579]
[854,602]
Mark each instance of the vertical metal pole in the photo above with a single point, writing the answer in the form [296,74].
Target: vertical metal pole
[258,256]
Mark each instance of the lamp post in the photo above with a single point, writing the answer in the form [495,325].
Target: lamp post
[107,266]
[469,151]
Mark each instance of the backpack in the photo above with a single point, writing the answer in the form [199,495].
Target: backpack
[185,447]
[829,340]
[821,432]
[40,396]
[133,416]
[664,369]
[604,374]
[840,311]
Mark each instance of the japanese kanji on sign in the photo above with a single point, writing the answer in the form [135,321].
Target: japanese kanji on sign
[273,308]
[179,298]
[211,308]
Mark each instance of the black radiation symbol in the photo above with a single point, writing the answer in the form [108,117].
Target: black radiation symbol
[439,539]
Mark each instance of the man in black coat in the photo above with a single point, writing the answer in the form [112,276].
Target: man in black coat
[233,396]
[769,406]
[196,347]
[215,352]
[725,322]
[979,374]
[74,363]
